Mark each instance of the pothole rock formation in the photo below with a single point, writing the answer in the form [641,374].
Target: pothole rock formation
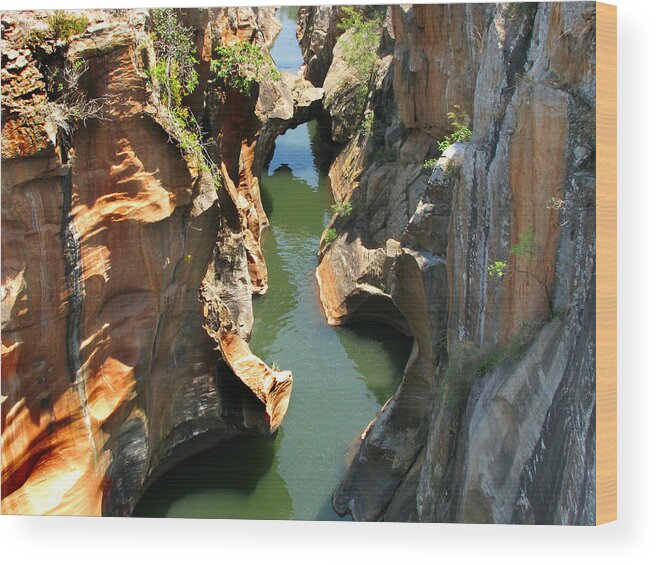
[110,231]
[480,428]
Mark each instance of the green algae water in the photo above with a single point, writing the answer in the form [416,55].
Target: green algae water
[342,375]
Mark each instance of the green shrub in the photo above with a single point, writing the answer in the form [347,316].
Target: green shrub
[242,64]
[527,246]
[360,51]
[64,25]
[451,168]
[175,52]
[497,268]
[37,36]
[461,132]
[174,76]
[430,164]
[342,209]
[330,236]
[459,120]
[188,130]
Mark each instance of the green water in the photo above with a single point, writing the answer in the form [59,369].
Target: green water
[341,375]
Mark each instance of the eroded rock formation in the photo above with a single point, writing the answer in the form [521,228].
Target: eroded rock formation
[128,267]
[494,418]
[317,34]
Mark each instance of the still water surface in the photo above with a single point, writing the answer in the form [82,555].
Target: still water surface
[341,375]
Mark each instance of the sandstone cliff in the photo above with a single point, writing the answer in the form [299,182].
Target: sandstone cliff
[128,263]
[494,418]
[130,255]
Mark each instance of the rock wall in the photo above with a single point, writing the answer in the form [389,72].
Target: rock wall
[494,418]
[127,269]
[317,34]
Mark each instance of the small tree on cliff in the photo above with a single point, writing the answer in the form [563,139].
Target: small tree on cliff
[174,76]
[175,50]
[361,50]
[242,64]
[459,120]
[526,248]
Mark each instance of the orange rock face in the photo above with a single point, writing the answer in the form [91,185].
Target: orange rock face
[271,386]
[436,54]
[482,424]
[107,368]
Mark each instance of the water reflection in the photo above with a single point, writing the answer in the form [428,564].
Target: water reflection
[341,377]
[285,51]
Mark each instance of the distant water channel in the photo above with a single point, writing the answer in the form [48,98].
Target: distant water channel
[342,375]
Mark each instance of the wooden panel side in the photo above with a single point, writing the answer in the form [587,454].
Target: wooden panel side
[606,263]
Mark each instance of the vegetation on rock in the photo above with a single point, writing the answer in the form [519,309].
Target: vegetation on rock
[64,25]
[368,123]
[174,76]
[331,235]
[342,209]
[460,123]
[175,50]
[361,49]
[68,105]
[526,247]
[430,164]
[362,46]
[242,64]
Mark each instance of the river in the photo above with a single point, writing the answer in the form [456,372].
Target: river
[342,375]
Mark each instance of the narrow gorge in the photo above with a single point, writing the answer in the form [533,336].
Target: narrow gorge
[393,204]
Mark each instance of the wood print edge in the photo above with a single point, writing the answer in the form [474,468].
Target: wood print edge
[606,230]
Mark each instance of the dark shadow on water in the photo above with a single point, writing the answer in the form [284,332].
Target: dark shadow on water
[380,354]
[267,201]
[324,150]
[283,167]
[220,483]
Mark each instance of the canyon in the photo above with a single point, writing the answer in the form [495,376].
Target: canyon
[134,275]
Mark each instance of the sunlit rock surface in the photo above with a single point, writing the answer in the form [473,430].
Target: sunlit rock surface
[109,373]
[494,418]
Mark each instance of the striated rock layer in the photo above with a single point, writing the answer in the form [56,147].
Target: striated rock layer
[317,33]
[494,420]
[127,270]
